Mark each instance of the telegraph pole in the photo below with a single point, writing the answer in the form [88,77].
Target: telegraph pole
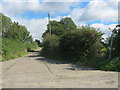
[49,27]
[111,43]
[110,54]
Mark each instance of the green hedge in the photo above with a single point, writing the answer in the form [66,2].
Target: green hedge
[75,44]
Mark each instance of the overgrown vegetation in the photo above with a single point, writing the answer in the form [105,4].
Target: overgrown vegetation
[105,64]
[83,45]
[16,40]
[12,49]
[51,45]
[75,44]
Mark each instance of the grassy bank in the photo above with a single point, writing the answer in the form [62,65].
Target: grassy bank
[12,49]
[105,64]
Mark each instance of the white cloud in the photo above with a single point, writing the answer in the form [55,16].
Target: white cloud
[104,10]
[20,7]
[54,0]
[46,0]
[97,10]
[36,27]
[104,28]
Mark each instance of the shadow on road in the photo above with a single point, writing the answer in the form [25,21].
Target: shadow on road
[39,57]
[34,56]
[74,67]
[37,53]
[51,61]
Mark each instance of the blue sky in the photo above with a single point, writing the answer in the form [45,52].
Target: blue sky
[33,13]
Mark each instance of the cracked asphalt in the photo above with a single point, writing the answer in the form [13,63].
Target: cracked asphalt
[34,71]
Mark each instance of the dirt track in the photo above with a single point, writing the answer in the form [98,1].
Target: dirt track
[34,71]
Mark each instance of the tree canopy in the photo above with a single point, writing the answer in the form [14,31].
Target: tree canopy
[59,27]
[76,43]
[15,31]
[116,42]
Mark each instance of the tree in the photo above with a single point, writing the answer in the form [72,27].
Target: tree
[56,28]
[38,42]
[68,24]
[116,42]
[19,33]
[14,31]
[6,24]
[75,44]
[59,27]
[50,45]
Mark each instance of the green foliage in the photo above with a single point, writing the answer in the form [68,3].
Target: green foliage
[82,46]
[116,44]
[75,44]
[31,46]
[38,42]
[56,28]
[19,33]
[15,31]
[59,27]
[12,50]
[98,50]
[6,23]
[68,24]
[113,65]
[50,45]
[97,63]
[104,64]
[16,40]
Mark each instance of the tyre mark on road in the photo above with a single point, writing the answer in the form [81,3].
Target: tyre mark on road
[48,68]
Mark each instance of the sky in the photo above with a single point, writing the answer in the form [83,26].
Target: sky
[101,14]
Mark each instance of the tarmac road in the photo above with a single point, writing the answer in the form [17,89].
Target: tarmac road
[34,71]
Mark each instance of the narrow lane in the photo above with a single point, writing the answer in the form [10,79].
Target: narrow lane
[34,71]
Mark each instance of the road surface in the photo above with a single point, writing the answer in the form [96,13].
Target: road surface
[34,71]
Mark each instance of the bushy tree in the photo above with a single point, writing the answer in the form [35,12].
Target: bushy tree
[6,24]
[19,33]
[75,44]
[50,45]
[14,31]
[116,42]
[68,24]
[59,27]
[16,39]
[56,28]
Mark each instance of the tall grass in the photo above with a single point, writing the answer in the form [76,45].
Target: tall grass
[13,49]
[50,45]
[104,64]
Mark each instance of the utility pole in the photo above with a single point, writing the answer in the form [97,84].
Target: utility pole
[49,27]
[111,43]
[110,54]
